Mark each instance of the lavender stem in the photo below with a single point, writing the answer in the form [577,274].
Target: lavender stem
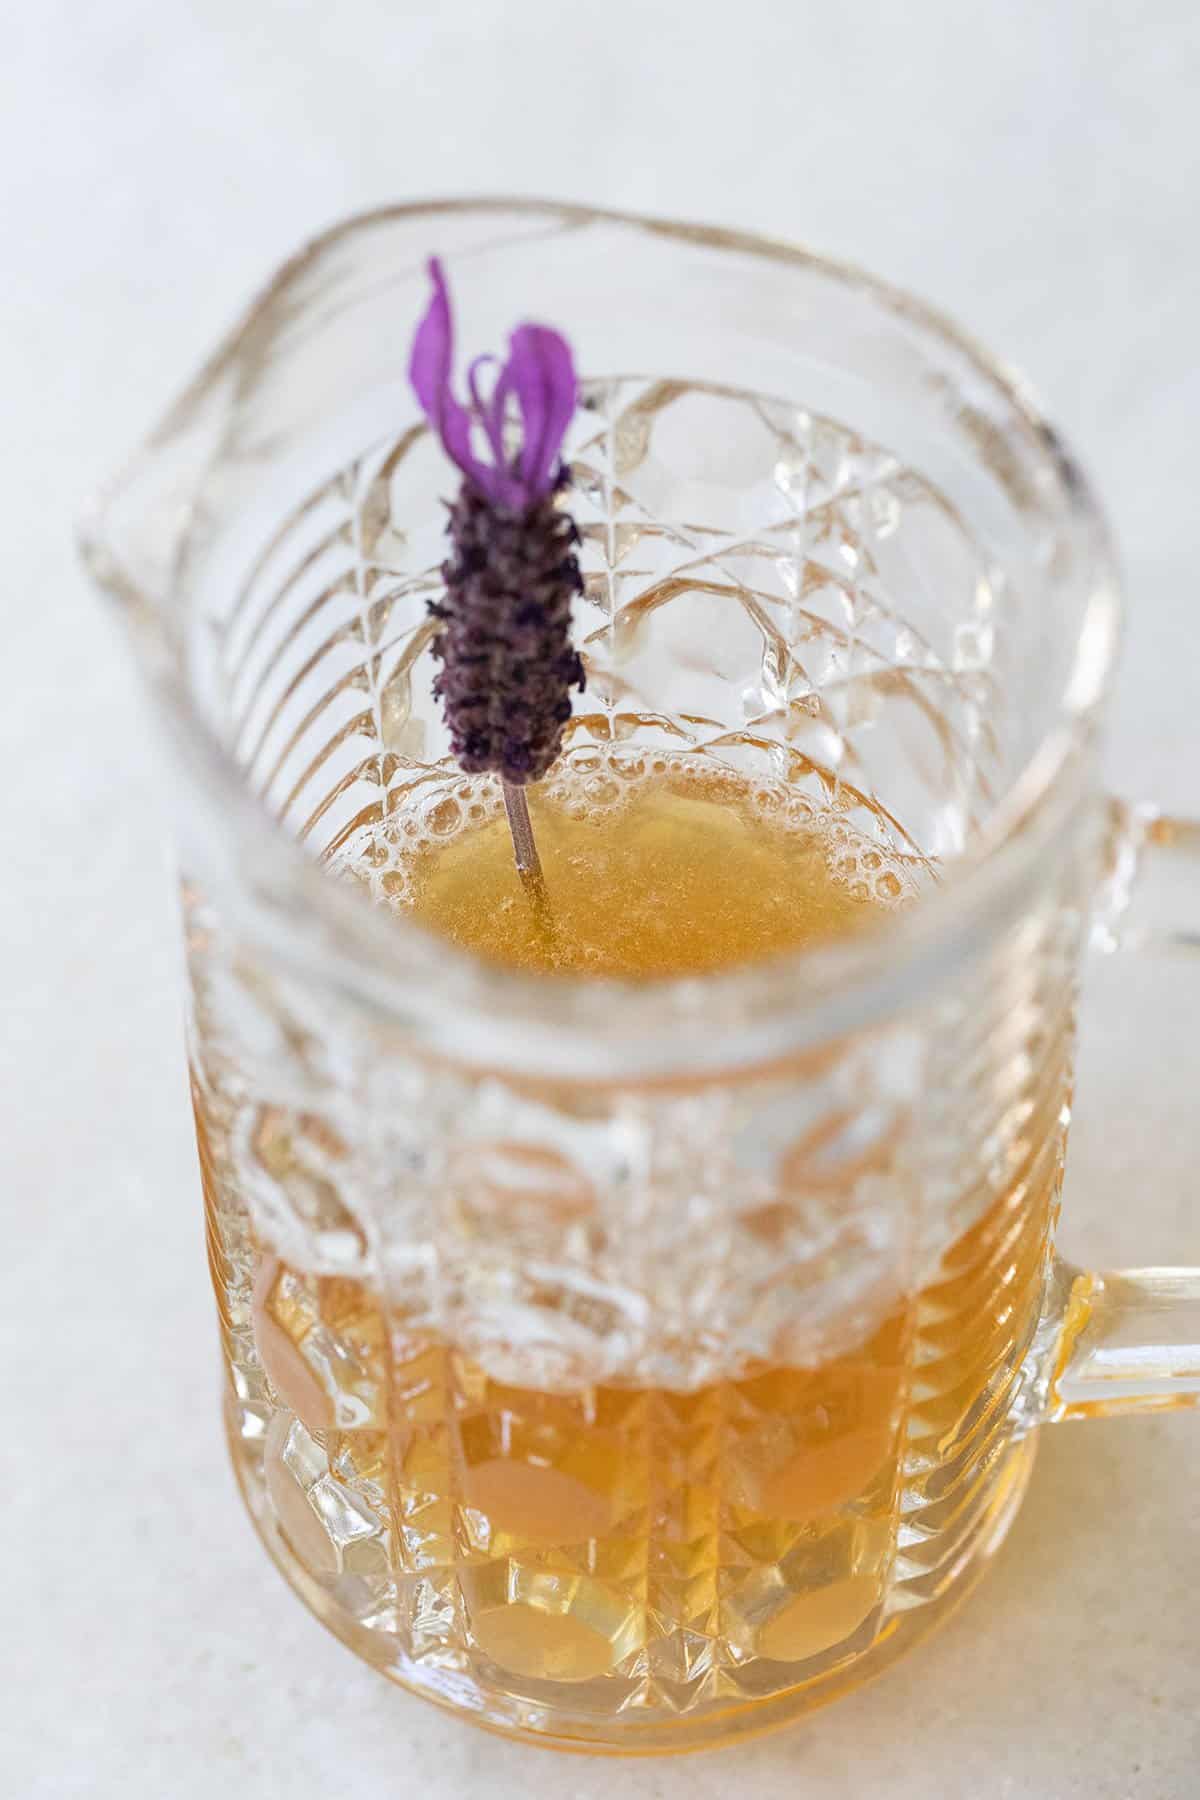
[525,850]
[529,863]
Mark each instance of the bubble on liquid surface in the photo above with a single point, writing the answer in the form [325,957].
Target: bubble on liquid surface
[445,818]
[596,781]
[602,790]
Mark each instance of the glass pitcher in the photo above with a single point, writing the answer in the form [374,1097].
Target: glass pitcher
[625,1366]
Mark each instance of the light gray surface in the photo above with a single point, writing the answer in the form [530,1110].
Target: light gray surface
[1035,169]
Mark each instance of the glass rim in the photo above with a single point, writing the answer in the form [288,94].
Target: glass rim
[473,1013]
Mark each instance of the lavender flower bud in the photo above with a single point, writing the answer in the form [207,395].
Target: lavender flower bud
[507,661]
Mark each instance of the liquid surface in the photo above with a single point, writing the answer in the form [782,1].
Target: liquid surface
[680,871]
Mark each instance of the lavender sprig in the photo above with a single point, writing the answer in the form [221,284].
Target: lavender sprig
[508,665]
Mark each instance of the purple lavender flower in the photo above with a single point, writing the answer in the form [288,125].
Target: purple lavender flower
[507,661]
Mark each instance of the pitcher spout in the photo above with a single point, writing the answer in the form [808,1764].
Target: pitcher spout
[131,530]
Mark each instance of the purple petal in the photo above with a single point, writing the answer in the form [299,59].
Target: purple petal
[500,398]
[429,365]
[539,371]
[489,413]
[506,486]
[542,373]
[429,370]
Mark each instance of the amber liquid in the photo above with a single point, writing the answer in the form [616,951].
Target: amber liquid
[673,875]
[656,1549]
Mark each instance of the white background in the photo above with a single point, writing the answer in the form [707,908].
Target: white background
[1035,168]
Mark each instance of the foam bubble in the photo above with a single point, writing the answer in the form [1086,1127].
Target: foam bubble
[602,790]
[444,817]
[592,781]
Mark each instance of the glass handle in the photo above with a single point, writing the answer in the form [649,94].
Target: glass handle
[1147,899]
[1129,1340]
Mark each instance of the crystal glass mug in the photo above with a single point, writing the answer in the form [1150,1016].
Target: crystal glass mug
[634,1367]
